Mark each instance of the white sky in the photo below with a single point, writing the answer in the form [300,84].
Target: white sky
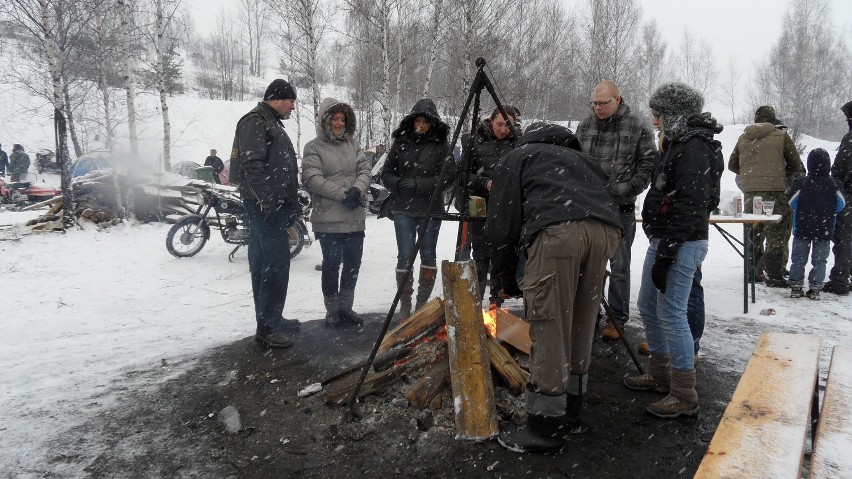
[744,29]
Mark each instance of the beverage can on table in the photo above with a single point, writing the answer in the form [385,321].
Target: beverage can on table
[738,211]
[757,205]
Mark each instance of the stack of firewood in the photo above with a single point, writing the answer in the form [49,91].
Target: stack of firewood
[450,342]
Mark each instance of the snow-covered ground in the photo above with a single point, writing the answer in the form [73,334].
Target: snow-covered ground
[86,314]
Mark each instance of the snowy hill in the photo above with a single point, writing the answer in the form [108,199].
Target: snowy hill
[90,315]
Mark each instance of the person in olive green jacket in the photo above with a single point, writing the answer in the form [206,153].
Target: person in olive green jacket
[765,158]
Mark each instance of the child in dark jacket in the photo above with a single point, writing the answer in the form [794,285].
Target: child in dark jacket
[815,199]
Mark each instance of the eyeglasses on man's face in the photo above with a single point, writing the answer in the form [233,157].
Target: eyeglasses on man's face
[594,104]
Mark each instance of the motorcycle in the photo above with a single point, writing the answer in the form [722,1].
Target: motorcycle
[376,196]
[46,161]
[377,193]
[25,192]
[190,233]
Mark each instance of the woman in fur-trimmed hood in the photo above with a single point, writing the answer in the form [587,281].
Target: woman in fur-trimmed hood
[337,174]
[412,172]
[675,216]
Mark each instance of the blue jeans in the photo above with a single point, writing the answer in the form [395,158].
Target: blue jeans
[799,258]
[337,248]
[269,263]
[406,228]
[664,315]
[695,309]
[618,294]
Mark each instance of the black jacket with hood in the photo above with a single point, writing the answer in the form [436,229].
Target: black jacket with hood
[816,199]
[685,185]
[419,158]
[546,180]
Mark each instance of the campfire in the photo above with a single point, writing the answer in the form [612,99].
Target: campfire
[447,342]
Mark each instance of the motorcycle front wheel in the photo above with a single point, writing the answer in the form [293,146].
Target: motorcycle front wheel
[187,236]
[296,235]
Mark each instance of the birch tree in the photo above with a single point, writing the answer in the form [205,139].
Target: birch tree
[53,26]
[437,18]
[308,28]
[252,16]
[730,87]
[696,63]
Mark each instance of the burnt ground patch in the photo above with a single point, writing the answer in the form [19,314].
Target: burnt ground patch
[172,430]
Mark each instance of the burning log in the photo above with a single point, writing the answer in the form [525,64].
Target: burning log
[423,392]
[470,374]
[338,391]
[506,366]
[425,320]
[508,328]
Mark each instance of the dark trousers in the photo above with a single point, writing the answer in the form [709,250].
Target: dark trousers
[340,248]
[269,263]
[695,309]
[842,248]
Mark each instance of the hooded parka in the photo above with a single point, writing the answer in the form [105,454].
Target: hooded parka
[330,166]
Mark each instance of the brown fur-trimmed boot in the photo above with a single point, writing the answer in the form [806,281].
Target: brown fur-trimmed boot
[425,284]
[407,292]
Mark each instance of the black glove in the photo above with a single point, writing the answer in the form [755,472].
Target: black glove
[665,259]
[406,186]
[352,200]
[282,210]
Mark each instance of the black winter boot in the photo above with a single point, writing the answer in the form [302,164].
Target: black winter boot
[542,434]
[574,405]
[332,310]
[775,271]
[834,287]
[348,317]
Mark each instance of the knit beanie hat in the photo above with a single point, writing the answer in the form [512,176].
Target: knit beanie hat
[819,162]
[676,102]
[847,110]
[765,114]
[279,90]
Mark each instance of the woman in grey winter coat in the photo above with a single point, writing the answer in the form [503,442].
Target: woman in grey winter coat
[337,174]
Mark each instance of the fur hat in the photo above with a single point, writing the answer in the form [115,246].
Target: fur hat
[676,99]
[765,114]
[847,110]
[279,90]
[675,103]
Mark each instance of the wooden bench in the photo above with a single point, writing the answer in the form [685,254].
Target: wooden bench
[763,431]
[832,457]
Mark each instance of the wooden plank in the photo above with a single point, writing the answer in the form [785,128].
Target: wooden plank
[513,330]
[424,321]
[470,371]
[762,433]
[506,366]
[831,458]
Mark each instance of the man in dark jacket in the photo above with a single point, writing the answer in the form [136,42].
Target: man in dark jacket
[551,199]
[675,217]
[4,162]
[19,162]
[838,279]
[483,148]
[266,171]
[624,147]
[217,164]
[766,159]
